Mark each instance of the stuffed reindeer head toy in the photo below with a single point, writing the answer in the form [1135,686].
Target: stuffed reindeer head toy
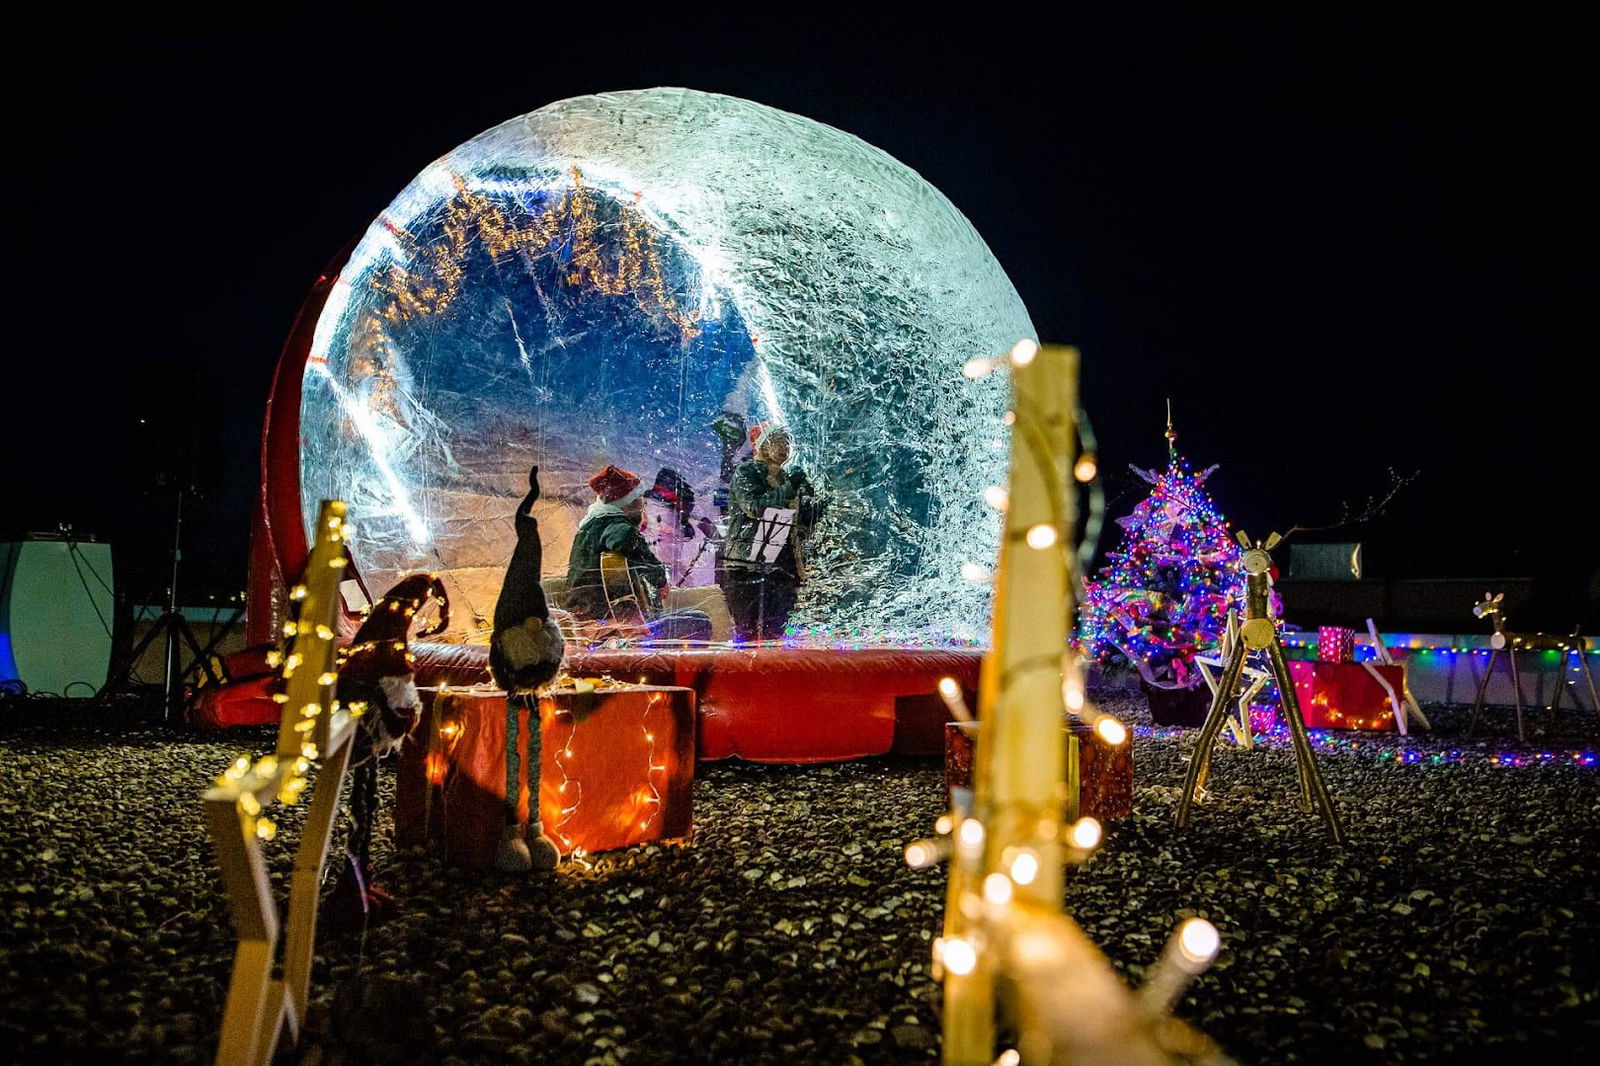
[375,669]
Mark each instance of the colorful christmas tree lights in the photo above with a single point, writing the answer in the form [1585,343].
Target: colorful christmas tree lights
[1165,595]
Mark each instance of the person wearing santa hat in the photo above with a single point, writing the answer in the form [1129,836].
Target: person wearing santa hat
[612,525]
[770,510]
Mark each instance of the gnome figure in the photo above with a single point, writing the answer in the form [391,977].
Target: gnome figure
[375,678]
[525,653]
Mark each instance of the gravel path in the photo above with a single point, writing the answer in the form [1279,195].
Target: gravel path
[1460,919]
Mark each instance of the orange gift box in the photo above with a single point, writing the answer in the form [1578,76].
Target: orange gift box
[1105,771]
[616,768]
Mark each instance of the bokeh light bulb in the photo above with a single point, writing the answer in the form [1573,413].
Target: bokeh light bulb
[1072,693]
[997,888]
[1025,867]
[1085,833]
[960,958]
[1111,731]
[971,833]
[1198,940]
[1023,351]
[976,573]
[996,497]
[1042,536]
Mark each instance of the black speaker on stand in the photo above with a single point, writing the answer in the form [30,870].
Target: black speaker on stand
[174,628]
[176,457]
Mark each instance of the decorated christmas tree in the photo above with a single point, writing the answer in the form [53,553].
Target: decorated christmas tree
[1165,594]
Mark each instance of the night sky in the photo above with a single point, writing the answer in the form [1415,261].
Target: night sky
[1342,246]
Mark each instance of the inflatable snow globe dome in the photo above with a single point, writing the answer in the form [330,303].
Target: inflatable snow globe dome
[644,279]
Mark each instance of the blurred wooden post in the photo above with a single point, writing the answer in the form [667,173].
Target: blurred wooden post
[1021,755]
[255,918]
[260,1008]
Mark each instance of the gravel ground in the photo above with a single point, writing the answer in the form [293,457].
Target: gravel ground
[1458,923]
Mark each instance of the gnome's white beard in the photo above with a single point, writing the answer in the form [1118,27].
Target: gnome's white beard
[536,642]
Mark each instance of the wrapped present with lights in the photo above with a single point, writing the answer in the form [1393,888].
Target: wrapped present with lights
[1105,770]
[616,767]
[1335,695]
[1336,644]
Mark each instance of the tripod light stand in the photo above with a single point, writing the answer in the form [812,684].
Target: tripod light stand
[172,626]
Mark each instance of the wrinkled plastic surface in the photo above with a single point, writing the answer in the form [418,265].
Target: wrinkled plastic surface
[634,278]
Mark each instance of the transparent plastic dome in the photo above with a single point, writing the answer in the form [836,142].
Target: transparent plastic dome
[635,278]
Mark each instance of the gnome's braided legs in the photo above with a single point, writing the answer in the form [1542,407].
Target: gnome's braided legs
[537,852]
[542,850]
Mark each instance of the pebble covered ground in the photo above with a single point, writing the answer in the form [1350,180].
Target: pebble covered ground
[1459,922]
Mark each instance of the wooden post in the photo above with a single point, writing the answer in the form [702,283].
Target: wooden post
[260,1008]
[1021,752]
[255,919]
[309,860]
[1006,942]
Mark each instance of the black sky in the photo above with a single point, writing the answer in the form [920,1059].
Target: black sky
[1341,245]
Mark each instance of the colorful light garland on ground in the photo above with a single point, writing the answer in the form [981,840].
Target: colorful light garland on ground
[1328,740]
[1414,644]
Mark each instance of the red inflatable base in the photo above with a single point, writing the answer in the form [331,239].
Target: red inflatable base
[237,703]
[766,704]
[773,704]
[245,700]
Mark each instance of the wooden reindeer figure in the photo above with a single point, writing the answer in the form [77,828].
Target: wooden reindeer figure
[1491,607]
[1258,633]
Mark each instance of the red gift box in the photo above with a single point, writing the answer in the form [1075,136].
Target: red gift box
[1105,771]
[1336,644]
[616,768]
[1345,695]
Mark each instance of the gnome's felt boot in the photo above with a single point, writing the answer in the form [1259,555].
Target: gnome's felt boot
[511,855]
[541,849]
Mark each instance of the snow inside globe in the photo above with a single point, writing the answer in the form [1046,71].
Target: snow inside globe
[646,279]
